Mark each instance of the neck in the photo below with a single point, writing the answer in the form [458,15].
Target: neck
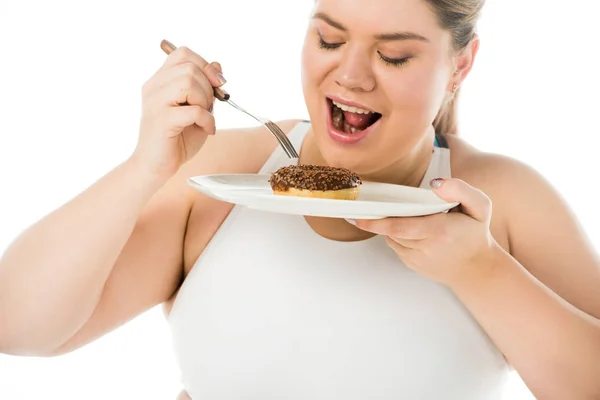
[408,170]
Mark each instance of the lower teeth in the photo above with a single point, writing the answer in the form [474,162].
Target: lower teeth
[350,128]
[337,118]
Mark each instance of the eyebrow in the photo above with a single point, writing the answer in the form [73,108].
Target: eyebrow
[381,36]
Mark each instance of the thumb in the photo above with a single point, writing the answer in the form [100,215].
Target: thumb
[473,202]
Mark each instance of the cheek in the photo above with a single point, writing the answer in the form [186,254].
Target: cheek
[308,59]
[420,89]
[314,65]
[315,68]
[305,62]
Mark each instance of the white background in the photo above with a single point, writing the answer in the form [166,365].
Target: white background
[70,79]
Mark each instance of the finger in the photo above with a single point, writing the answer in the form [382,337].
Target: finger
[210,88]
[182,91]
[178,55]
[184,116]
[413,228]
[400,249]
[405,243]
[201,78]
[183,54]
[473,202]
[214,75]
[180,72]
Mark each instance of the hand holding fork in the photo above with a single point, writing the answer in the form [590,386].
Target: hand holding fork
[222,95]
[176,113]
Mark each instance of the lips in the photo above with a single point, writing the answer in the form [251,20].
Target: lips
[350,122]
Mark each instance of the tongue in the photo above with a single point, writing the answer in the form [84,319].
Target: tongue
[359,121]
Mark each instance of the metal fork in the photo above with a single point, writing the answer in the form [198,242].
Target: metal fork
[222,95]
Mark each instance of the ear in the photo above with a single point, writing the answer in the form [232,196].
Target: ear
[463,62]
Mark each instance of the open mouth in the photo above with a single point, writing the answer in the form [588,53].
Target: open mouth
[351,120]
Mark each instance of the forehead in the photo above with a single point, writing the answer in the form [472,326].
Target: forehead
[382,16]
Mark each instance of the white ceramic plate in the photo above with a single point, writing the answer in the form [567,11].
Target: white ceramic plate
[375,201]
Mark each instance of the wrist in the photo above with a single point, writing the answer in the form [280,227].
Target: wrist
[483,270]
[145,178]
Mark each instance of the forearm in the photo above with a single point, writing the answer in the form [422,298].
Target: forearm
[52,275]
[552,345]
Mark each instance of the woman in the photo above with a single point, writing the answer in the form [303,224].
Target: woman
[276,306]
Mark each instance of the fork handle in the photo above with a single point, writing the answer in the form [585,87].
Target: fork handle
[169,47]
[221,94]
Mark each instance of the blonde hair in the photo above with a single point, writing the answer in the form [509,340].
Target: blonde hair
[460,18]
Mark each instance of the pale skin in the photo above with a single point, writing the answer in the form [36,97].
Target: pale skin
[513,253]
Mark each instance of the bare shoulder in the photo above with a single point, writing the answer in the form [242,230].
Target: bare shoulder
[484,167]
[237,148]
[234,150]
[513,185]
[524,202]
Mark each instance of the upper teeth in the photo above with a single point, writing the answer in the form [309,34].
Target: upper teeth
[350,108]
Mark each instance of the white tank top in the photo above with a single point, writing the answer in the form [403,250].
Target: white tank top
[271,310]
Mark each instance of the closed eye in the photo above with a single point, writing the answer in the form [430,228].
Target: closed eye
[395,62]
[328,46]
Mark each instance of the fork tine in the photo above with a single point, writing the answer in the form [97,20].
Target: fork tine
[279,138]
[290,151]
[287,141]
[283,138]
[283,144]
[280,135]
[274,129]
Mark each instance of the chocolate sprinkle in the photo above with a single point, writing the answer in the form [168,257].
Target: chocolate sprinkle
[313,177]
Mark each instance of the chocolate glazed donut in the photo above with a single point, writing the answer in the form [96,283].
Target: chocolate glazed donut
[318,181]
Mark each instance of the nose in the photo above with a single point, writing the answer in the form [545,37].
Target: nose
[355,72]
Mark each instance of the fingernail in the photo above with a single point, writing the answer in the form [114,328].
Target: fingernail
[436,183]
[211,108]
[221,78]
[351,221]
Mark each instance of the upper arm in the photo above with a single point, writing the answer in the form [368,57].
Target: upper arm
[150,268]
[544,234]
[548,240]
